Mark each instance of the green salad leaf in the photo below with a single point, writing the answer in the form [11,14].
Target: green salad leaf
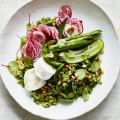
[80,74]
[23,41]
[86,97]
[61,27]
[29,26]
[13,67]
[95,66]
[48,21]
[27,61]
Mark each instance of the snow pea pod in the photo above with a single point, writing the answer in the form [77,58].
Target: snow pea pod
[75,43]
[81,55]
[93,34]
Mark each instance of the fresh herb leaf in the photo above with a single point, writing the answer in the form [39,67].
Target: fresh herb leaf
[27,61]
[64,95]
[13,67]
[80,74]
[29,26]
[86,97]
[71,94]
[61,27]
[23,41]
[48,21]
[95,66]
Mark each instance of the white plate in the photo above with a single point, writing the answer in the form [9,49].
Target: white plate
[93,18]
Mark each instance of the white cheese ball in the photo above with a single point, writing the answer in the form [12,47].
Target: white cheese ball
[31,81]
[43,70]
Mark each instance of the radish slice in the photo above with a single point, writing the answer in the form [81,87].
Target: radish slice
[54,34]
[45,29]
[39,36]
[64,16]
[77,23]
[32,50]
[29,35]
[35,28]
[57,21]
[65,12]
[70,30]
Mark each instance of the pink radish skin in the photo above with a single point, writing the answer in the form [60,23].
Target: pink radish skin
[65,12]
[77,23]
[32,50]
[45,29]
[70,30]
[57,21]
[39,36]
[54,34]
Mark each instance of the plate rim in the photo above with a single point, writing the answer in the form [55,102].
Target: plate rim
[116,77]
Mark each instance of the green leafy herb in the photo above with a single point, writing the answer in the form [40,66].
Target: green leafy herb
[29,26]
[48,21]
[80,74]
[13,67]
[23,41]
[86,97]
[71,94]
[61,27]
[27,61]
[95,66]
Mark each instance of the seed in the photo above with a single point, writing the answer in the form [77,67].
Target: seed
[67,66]
[88,69]
[84,66]
[43,92]
[73,77]
[70,72]
[89,76]
[96,73]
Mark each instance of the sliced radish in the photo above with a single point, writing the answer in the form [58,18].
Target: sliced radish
[45,29]
[65,12]
[32,50]
[57,21]
[29,35]
[54,34]
[77,23]
[39,36]
[70,30]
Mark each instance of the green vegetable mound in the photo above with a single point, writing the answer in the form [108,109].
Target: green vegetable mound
[68,86]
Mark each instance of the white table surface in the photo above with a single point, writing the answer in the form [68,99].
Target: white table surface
[109,109]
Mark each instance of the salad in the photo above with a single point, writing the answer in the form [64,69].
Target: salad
[58,62]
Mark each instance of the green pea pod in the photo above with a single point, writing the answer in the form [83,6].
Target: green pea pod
[86,53]
[76,43]
[93,34]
